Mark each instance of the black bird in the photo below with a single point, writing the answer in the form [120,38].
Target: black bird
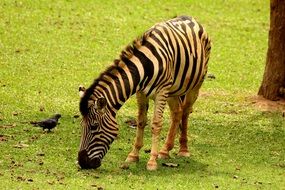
[48,123]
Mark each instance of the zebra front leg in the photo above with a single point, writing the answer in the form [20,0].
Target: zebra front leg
[176,115]
[160,102]
[142,101]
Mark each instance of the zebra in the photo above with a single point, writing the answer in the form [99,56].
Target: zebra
[168,63]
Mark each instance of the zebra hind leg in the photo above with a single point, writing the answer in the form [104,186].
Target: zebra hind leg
[187,109]
[175,106]
[142,101]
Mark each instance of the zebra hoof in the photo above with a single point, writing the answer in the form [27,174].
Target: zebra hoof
[151,166]
[163,155]
[132,158]
[184,154]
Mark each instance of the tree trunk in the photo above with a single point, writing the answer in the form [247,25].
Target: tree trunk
[273,84]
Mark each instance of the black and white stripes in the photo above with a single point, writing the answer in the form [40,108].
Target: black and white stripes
[169,60]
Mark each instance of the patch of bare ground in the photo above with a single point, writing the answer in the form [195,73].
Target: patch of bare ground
[268,105]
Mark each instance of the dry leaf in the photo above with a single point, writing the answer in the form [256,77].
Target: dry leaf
[125,166]
[132,123]
[21,145]
[171,165]
[8,126]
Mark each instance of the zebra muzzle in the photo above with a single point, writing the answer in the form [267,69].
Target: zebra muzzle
[86,163]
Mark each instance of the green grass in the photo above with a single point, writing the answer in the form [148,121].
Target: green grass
[48,48]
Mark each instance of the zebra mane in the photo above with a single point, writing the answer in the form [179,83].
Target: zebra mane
[127,53]
[129,50]
[89,92]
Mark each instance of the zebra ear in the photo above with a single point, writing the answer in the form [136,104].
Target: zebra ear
[81,91]
[100,103]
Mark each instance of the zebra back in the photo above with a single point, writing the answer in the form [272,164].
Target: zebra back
[152,59]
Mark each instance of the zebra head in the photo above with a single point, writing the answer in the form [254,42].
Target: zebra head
[99,130]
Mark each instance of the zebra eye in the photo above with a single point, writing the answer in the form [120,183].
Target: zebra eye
[94,127]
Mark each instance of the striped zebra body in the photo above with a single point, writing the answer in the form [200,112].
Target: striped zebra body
[168,63]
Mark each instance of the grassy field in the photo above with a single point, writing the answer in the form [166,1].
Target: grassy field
[48,48]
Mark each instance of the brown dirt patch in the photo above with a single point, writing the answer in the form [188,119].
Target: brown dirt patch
[268,105]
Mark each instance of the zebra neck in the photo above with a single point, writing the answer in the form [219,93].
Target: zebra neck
[118,83]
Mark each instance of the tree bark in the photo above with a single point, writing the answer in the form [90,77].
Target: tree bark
[273,84]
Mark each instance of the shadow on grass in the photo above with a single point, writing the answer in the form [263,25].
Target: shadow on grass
[249,139]
[185,166]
